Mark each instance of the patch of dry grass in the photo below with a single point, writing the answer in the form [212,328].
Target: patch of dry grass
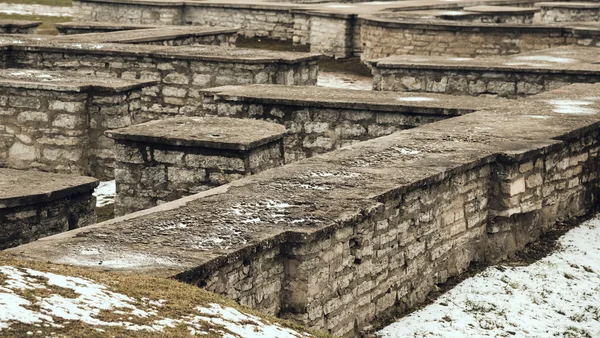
[180,298]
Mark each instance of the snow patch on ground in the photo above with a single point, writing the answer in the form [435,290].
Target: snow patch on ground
[87,299]
[105,193]
[558,296]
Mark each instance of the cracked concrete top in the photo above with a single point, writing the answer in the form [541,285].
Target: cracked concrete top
[26,187]
[313,197]
[205,132]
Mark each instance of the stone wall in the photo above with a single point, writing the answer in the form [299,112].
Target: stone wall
[28,223]
[531,192]
[19,26]
[332,34]
[34,204]
[162,36]
[316,129]
[483,81]
[153,13]
[384,37]
[565,12]
[109,111]
[371,228]
[61,131]
[180,76]
[149,174]
[78,27]
[252,21]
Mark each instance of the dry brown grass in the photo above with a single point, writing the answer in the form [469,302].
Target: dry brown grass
[180,298]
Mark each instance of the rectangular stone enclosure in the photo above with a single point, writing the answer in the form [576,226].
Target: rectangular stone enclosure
[54,121]
[34,204]
[161,161]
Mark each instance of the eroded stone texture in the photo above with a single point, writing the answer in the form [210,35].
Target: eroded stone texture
[180,72]
[162,36]
[347,236]
[383,37]
[574,11]
[162,161]
[509,76]
[54,121]
[319,120]
[35,204]
[19,26]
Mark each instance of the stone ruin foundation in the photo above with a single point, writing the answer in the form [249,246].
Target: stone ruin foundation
[35,204]
[480,134]
[164,160]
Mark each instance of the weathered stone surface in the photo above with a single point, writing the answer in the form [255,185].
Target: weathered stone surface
[34,204]
[54,121]
[319,119]
[327,240]
[164,160]
[508,76]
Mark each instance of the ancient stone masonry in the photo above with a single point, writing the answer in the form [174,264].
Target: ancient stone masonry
[68,28]
[54,121]
[162,161]
[342,238]
[35,204]
[142,12]
[19,26]
[319,120]
[569,11]
[180,71]
[379,29]
[166,36]
[510,76]
[381,37]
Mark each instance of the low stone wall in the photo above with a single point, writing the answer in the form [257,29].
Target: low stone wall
[320,120]
[55,122]
[141,12]
[569,11]
[274,22]
[162,161]
[511,76]
[35,204]
[78,27]
[19,26]
[180,72]
[341,239]
[163,36]
[382,37]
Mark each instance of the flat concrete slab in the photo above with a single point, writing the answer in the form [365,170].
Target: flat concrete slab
[22,187]
[312,96]
[65,81]
[567,60]
[206,132]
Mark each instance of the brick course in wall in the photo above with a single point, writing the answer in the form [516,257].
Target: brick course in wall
[343,238]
